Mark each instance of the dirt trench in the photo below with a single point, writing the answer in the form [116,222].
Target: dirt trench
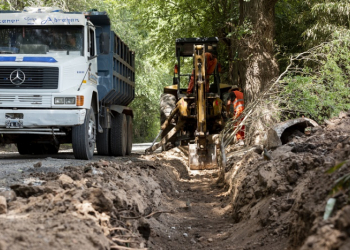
[202,216]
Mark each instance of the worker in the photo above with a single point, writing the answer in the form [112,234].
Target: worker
[235,106]
[211,61]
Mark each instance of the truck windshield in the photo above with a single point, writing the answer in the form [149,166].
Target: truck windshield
[66,40]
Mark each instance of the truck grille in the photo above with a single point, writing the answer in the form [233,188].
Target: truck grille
[35,77]
[24,100]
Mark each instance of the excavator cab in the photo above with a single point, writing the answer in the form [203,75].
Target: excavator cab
[185,50]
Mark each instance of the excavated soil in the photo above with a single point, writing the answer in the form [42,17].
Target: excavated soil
[281,202]
[156,202]
[135,202]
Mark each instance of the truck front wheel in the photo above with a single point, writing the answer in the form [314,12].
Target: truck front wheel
[119,135]
[84,137]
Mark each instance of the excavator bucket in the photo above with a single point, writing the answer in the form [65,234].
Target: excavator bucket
[199,160]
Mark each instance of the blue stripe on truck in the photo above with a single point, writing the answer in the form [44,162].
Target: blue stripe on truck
[28,59]
[39,59]
[7,58]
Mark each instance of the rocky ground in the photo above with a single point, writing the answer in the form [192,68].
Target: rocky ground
[156,202]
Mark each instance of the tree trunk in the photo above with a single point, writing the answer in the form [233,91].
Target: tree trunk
[233,73]
[232,70]
[257,66]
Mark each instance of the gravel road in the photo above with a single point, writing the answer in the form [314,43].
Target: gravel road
[14,165]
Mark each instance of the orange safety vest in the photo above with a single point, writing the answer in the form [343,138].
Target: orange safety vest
[210,64]
[238,104]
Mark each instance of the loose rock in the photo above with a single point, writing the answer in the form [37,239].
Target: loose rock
[3,205]
[66,181]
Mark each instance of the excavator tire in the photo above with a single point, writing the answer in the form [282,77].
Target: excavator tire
[167,104]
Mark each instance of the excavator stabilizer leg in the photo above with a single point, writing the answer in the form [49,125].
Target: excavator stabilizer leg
[199,160]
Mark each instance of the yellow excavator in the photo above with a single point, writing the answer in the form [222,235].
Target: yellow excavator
[197,118]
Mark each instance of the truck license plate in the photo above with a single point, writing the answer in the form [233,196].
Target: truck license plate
[14,123]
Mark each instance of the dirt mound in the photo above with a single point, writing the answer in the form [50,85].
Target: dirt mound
[284,199]
[97,206]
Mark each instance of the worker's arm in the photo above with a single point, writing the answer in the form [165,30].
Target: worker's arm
[191,83]
[230,100]
[232,97]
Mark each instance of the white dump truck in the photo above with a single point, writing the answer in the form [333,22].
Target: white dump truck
[65,77]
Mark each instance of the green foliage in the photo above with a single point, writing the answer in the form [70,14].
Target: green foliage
[64,4]
[342,183]
[318,85]
[336,167]
[292,18]
[330,16]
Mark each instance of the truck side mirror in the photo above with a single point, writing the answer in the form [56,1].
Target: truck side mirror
[104,43]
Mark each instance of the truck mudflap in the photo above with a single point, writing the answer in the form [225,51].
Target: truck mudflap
[201,161]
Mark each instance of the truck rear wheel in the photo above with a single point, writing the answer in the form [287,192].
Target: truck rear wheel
[84,137]
[48,148]
[23,148]
[102,142]
[129,142]
[119,135]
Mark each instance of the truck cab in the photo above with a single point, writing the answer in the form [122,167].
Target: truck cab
[64,78]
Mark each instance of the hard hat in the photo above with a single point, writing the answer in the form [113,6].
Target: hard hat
[234,87]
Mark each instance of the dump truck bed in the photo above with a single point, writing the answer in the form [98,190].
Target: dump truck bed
[117,79]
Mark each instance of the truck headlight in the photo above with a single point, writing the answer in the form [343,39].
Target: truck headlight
[59,100]
[69,100]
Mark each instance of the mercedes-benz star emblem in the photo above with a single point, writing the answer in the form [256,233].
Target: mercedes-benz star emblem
[17,77]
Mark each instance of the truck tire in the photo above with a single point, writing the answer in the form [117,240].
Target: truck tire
[103,143]
[24,148]
[130,133]
[47,148]
[84,137]
[167,104]
[53,148]
[37,148]
[119,135]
